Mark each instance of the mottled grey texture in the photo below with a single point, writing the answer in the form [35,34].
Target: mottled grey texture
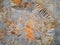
[57,30]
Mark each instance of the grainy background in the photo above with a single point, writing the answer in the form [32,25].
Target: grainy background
[56,10]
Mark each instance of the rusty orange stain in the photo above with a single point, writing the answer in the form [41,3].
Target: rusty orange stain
[2,33]
[26,4]
[17,2]
[16,31]
[13,32]
[29,31]
[21,20]
[53,24]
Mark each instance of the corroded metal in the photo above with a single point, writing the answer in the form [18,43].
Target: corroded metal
[27,23]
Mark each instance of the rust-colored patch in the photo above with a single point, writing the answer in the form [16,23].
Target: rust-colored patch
[29,31]
[21,20]
[26,4]
[13,32]
[16,31]
[45,23]
[17,2]
[2,33]
[12,25]
[52,25]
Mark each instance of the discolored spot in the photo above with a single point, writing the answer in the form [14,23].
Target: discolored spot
[21,20]
[17,2]
[26,4]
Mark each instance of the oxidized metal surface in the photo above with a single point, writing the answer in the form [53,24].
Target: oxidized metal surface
[27,22]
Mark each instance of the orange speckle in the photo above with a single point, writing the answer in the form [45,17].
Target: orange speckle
[28,25]
[45,23]
[16,31]
[21,20]
[26,4]
[13,32]
[29,31]
[12,24]
[53,24]
[8,23]
[2,33]
[17,2]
